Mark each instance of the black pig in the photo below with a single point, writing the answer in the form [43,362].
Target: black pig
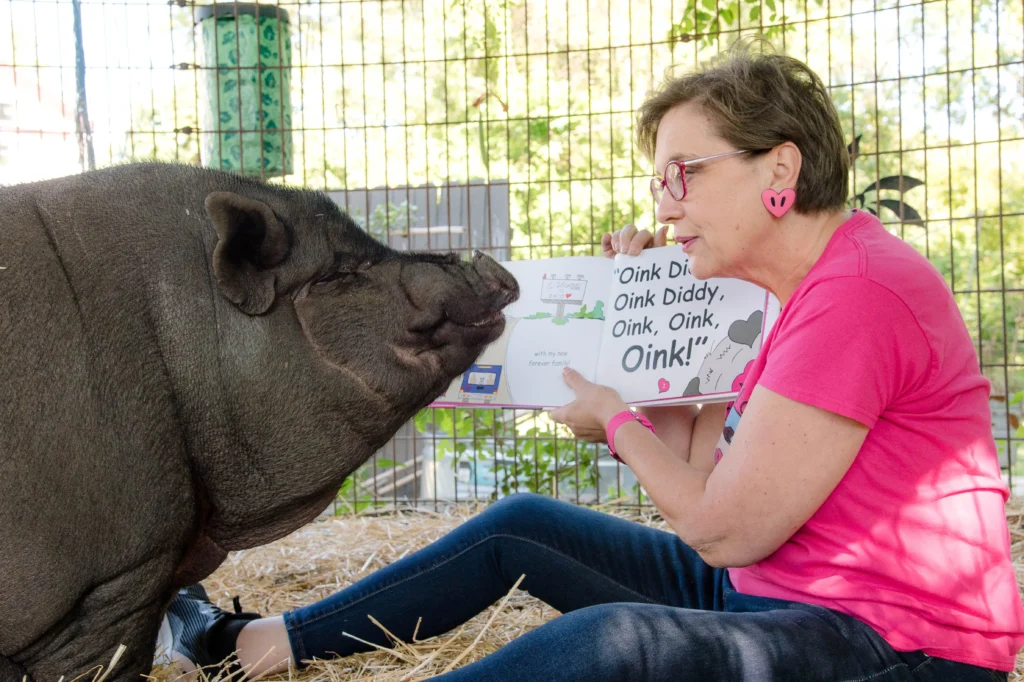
[192,363]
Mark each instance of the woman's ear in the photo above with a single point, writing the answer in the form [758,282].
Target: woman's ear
[786,161]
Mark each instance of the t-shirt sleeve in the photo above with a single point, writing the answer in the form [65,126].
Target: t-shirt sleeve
[848,345]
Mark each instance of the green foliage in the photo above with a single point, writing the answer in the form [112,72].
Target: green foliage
[705,21]
[352,497]
[529,456]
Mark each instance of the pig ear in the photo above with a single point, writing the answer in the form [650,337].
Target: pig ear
[251,242]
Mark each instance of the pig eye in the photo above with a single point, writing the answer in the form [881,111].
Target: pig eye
[336,276]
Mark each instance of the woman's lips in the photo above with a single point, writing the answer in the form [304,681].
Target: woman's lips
[686,242]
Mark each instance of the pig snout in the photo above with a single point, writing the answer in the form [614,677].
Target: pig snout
[501,285]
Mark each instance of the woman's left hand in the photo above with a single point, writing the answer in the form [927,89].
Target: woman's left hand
[594,406]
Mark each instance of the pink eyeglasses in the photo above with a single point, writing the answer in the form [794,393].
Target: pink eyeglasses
[675,175]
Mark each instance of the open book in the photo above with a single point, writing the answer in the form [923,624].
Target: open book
[643,325]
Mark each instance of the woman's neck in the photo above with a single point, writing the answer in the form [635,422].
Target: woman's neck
[797,246]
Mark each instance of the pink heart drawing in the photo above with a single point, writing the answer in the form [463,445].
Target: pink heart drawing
[568,295]
[778,203]
[662,385]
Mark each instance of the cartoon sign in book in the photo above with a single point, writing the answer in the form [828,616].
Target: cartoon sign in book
[563,291]
[641,324]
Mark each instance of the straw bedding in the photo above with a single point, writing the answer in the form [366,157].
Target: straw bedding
[325,556]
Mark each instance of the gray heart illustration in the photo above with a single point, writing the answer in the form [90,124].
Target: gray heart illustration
[747,331]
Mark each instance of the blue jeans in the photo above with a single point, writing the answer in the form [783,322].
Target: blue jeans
[637,604]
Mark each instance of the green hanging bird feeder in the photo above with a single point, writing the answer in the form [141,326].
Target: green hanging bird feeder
[245,103]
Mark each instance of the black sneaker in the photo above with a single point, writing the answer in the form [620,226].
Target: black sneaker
[204,633]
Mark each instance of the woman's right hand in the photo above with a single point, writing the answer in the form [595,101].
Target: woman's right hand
[632,241]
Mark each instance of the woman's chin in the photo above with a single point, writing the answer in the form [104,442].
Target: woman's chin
[700,268]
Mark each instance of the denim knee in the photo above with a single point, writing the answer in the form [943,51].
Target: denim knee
[518,509]
[616,636]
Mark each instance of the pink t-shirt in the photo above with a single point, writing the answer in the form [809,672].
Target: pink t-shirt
[914,540]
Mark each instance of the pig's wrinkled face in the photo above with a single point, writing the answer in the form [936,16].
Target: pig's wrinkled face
[406,324]
[400,326]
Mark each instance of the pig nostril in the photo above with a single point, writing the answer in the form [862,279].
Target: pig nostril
[503,297]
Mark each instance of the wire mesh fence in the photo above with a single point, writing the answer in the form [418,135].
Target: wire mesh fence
[506,125]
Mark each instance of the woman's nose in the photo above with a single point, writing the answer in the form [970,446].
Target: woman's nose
[668,209]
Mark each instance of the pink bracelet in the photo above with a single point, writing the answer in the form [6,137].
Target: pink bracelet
[618,420]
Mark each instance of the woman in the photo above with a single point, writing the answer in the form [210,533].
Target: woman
[852,528]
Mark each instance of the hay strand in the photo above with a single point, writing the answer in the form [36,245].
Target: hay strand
[396,654]
[113,661]
[486,627]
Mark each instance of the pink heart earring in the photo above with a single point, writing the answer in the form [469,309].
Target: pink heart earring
[778,203]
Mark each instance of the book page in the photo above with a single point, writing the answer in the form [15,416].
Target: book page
[672,338]
[557,321]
